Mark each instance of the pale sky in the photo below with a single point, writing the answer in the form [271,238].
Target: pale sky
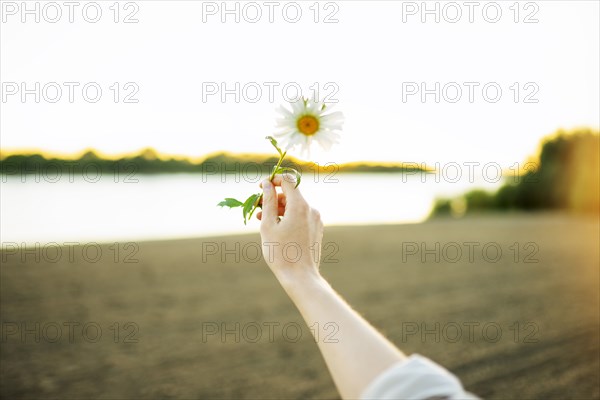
[369,55]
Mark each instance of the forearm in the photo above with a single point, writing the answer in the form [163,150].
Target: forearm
[357,353]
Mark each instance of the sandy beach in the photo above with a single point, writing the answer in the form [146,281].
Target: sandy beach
[507,302]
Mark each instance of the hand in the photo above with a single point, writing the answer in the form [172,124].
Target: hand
[290,229]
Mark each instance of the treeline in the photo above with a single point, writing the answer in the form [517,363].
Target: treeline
[149,162]
[567,177]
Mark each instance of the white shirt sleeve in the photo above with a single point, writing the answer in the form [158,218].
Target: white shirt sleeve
[416,378]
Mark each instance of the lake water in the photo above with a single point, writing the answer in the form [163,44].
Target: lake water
[74,209]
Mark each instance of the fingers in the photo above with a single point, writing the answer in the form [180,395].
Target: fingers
[288,184]
[281,200]
[274,205]
[280,212]
[269,204]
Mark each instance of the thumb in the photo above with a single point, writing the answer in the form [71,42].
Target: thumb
[269,204]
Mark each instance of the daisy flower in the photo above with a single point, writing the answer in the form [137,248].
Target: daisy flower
[307,121]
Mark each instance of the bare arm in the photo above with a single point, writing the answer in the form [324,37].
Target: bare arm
[361,352]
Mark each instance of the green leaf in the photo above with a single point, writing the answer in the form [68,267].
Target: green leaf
[248,207]
[256,205]
[274,143]
[296,173]
[231,203]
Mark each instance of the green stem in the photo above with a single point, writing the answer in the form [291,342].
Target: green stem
[277,166]
[271,179]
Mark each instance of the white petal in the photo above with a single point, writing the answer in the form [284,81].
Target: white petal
[329,106]
[306,148]
[283,133]
[298,108]
[335,117]
[325,140]
[285,122]
[331,127]
[314,107]
[285,112]
[293,140]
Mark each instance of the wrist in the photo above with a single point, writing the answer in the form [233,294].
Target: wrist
[299,278]
[303,284]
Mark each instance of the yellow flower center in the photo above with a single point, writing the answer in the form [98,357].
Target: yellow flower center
[308,125]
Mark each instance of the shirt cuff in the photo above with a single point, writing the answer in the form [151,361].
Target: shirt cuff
[416,378]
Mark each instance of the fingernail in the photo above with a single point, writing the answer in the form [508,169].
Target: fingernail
[266,185]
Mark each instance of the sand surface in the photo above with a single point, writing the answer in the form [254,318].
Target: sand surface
[523,324]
